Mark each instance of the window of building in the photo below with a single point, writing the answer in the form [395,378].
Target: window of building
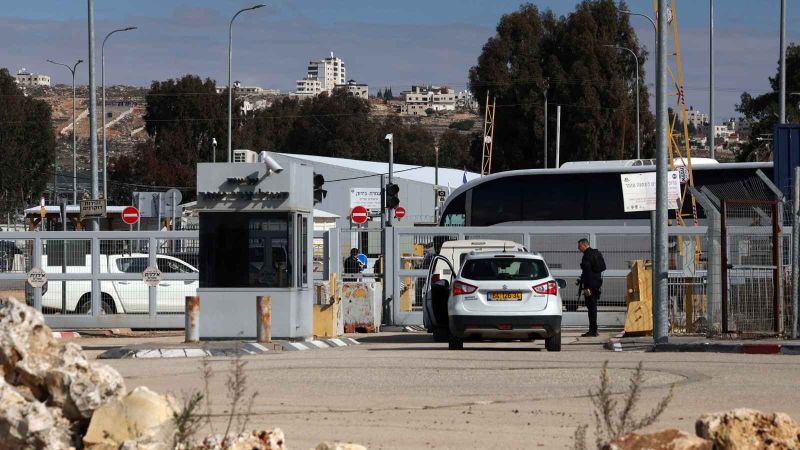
[246,249]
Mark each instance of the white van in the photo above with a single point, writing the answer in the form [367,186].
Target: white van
[457,251]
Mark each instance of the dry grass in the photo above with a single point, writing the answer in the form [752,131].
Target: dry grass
[612,422]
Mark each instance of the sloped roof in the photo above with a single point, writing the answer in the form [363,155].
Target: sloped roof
[422,174]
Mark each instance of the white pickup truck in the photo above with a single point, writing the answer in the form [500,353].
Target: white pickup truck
[121,296]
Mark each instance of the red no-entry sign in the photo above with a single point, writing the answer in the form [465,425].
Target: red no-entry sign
[399,212]
[130,215]
[359,214]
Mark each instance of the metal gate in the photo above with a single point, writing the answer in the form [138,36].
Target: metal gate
[751,267]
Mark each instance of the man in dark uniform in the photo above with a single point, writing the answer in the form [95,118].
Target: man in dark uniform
[352,264]
[592,267]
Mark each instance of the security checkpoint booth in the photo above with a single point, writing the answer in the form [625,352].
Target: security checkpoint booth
[255,220]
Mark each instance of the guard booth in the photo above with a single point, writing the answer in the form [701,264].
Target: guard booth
[254,240]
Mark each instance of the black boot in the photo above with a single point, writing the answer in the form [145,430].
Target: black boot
[590,333]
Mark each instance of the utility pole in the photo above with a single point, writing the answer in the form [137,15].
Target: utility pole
[546,86]
[94,223]
[660,266]
[711,137]
[782,94]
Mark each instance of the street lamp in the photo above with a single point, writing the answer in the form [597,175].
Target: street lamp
[74,141]
[230,86]
[638,134]
[103,83]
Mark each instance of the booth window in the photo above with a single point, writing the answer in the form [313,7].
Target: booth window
[302,231]
[246,249]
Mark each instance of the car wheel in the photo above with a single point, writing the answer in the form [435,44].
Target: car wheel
[553,343]
[84,305]
[455,343]
[440,334]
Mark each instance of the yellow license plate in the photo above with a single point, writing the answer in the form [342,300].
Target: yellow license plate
[505,296]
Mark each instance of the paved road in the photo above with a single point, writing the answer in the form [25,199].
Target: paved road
[402,391]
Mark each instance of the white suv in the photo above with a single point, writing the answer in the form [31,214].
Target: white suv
[505,296]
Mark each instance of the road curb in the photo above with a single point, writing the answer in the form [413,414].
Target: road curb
[317,344]
[755,348]
[217,350]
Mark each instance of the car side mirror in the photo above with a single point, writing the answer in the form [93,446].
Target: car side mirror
[443,283]
[562,283]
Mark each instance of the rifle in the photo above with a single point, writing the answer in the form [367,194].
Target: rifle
[579,283]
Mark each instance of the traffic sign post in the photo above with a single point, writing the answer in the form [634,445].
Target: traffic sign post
[130,215]
[399,212]
[359,215]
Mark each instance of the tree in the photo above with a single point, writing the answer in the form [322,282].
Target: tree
[182,117]
[379,94]
[593,83]
[762,110]
[454,150]
[387,94]
[27,146]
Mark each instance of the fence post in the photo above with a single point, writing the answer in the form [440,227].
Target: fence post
[192,327]
[96,293]
[778,263]
[714,264]
[37,262]
[795,247]
[152,291]
[263,318]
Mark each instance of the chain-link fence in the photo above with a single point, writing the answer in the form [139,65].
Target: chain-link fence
[752,267]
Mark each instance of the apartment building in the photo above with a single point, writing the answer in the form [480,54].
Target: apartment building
[422,98]
[25,78]
[329,72]
[355,89]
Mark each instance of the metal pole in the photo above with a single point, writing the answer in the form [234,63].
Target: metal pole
[436,173]
[173,211]
[638,132]
[660,268]
[74,143]
[795,248]
[192,319]
[391,171]
[230,85]
[782,94]
[711,138]
[545,123]
[264,315]
[64,256]
[558,136]
[103,84]
[103,112]
[74,139]
[94,224]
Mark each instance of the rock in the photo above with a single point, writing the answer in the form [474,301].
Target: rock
[662,440]
[41,367]
[30,424]
[749,429]
[339,446]
[139,416]
[256,440]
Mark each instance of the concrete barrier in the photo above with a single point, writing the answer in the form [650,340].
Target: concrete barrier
[361,306]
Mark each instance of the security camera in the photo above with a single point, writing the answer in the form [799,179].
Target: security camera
[389,137]
[272,165]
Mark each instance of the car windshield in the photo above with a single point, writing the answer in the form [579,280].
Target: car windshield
[504,269]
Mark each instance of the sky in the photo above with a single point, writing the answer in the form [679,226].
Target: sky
[383,43]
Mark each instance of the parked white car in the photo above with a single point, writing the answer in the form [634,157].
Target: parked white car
[121,296]
[504,296]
